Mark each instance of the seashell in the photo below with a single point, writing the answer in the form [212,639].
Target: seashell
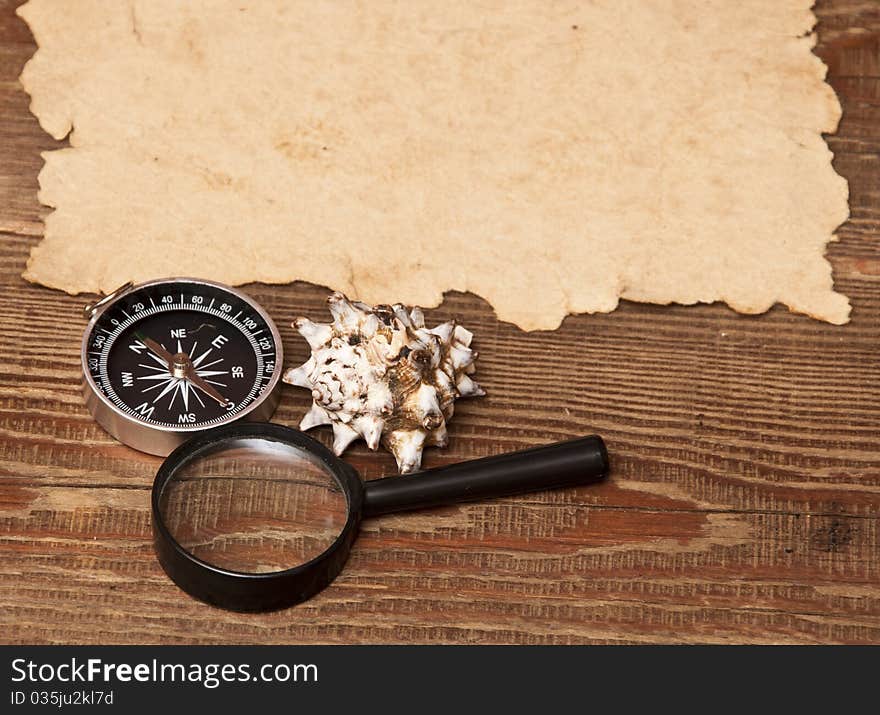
[378,374]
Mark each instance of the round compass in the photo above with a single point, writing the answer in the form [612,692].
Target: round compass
[169,358]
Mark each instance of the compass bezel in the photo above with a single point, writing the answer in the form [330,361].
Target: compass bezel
[162,439]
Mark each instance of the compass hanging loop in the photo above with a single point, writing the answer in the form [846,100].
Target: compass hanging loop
[90,309]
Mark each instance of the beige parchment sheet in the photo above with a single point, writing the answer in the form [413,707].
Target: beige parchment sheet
[551,157]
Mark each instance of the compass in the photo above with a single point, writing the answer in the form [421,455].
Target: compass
[166,359]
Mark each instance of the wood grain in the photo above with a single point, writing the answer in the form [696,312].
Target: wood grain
[744,504]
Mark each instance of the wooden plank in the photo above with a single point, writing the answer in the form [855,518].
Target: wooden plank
[744,505]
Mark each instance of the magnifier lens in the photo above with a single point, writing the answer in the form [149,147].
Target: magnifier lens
[254,505]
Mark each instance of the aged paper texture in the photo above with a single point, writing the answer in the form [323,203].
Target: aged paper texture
[551,157]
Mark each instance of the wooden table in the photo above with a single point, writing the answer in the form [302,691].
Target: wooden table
[744,504]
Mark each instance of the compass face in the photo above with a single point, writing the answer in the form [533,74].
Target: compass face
[182,355]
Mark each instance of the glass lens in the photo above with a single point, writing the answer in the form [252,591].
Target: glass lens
[254,505]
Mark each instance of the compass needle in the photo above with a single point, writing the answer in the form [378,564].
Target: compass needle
[203,385]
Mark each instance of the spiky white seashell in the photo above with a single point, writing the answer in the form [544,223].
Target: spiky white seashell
[380,375]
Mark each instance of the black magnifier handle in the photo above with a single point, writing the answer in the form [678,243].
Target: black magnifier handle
[566,464]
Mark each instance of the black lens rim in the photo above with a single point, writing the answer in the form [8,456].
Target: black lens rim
[240,591]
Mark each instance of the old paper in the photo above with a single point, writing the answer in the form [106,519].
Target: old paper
[551,157]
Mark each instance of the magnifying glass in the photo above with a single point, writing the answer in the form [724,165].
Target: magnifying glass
[258,516]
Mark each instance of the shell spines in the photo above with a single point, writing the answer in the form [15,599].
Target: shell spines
[379,374]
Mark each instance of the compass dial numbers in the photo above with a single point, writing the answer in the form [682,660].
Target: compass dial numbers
[181,355]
